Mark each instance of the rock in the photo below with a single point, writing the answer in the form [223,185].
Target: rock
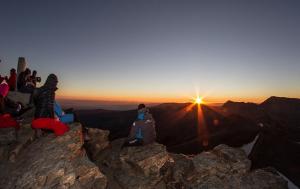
[151,166]
[148,159]
[15,96]
[13,143]
[221,161]
[176,170]
[8,135]
[262,179]
[54,162]
[237,158]
[140,166]
[25,137]
[4,150]
[133,167]
[226,167]
[98,140]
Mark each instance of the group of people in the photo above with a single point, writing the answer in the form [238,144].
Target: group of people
[11,80]
[49,115]
[27,81]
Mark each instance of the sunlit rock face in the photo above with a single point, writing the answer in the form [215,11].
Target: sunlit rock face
[53,162]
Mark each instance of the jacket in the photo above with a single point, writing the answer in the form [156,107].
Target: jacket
[144,129]
[12,82]
[43,98]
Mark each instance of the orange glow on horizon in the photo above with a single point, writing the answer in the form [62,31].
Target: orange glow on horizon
[159,99]
[153,97]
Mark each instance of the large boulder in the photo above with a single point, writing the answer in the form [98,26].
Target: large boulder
[133,167]
[54,162]
[226,167]
[14,141]
[98,140]
[15,96]
[141,165]
[148,159]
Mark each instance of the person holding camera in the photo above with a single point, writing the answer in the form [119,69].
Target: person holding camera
[34,79]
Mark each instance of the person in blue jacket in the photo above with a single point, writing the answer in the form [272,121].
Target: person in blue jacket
[62,116]
[143,130]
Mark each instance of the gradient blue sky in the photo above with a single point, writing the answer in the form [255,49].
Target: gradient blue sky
[157,50]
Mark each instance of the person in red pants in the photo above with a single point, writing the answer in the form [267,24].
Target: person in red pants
[44,117]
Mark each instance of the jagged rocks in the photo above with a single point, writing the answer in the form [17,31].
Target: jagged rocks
[222,168]
[54,162]
[98,140]
[14,141]
[151,166]
[133,167]
[148,159]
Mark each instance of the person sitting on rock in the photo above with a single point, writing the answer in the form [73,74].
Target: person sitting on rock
[143,128]
[6,120]
[12,80]
[44,117]
[8,106]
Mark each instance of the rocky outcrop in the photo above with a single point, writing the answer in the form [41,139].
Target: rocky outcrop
[53,162]
[222,167]
[97,141]
[13,141]
[133,167]
[61,162]
[151,166]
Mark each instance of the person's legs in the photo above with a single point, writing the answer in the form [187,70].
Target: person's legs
[67,118]
[134,142]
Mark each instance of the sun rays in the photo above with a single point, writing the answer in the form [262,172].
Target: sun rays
[202,130]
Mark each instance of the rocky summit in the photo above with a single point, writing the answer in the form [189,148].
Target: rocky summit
[50,162]
[62,162]
[152,166]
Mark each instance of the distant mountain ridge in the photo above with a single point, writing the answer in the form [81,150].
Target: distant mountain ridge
[278,144]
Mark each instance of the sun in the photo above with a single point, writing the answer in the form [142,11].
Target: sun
[198,100]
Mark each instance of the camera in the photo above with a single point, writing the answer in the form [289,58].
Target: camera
[38,79]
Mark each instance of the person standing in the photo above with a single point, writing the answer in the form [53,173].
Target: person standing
[12,80]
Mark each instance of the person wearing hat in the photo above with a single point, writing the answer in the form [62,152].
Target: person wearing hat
[44,116]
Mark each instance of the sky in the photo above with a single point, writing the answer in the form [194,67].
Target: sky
[157,50]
